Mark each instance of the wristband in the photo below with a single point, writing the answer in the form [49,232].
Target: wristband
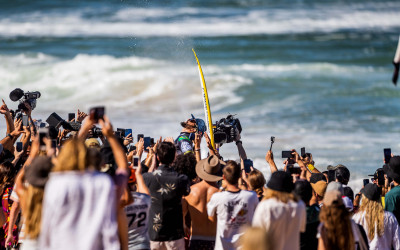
[9,135]
[197,149]
[310,167]
[238,142]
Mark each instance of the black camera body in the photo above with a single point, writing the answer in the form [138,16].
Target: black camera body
[24,97]
[96,132]
[226,129]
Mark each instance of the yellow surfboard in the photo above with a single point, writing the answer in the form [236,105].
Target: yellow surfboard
[207,109]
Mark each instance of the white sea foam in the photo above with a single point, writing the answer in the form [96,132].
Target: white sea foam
[149,22]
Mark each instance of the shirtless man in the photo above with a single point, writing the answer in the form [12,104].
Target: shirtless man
[202,229]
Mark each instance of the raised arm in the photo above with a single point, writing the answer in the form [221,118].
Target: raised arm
[118,151]
[269,157]
[9,121]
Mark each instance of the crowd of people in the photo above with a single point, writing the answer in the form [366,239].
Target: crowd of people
[82,189]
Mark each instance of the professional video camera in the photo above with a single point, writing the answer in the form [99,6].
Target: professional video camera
[56,121]
[28,97]
[227,129]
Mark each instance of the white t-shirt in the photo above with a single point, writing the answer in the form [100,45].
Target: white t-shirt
[137,217]
[284,221]
[79,212]
[233,209]
[390,237]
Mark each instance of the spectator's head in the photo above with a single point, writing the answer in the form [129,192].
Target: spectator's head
[342,174]
[347,191]
[319,189]
[315,177]
[336,222]
[166,152]
[94,159]
[280,187]
[257,181]
[303,190]
[393,170]
[72,157]
[186,164]
[231,172]
[372,206]
[210,169]
[335,186]
[92,143]
[36,174]
[7,175]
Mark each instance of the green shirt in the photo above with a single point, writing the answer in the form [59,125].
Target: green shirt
[392,202]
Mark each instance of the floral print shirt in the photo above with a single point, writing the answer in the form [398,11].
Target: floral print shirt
[166,189]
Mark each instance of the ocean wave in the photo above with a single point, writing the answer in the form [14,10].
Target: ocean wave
[192,22]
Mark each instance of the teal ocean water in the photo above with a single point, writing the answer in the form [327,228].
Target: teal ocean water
[311,73]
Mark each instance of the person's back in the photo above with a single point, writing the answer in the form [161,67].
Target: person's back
[392,198]
[137,217]
[233,209]
[79,212]
[167,188]
[202,229]
[280,214]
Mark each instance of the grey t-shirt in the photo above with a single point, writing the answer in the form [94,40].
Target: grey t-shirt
[137,216]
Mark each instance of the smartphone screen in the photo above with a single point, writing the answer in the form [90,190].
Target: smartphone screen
[128,131]
[303,152]
[287,154]
[381,178]
[146,142]
[71,116]
[387,152]
[135,161]
[96,113]
[19,146]
[152,141]
[365,182]
[139,136]
[25,121]
[247,164]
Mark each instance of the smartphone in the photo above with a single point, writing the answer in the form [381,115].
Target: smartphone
[146,142]
[43,133]
[135,162]
[387,152]
[19,146]
[287,154]
[365,182]
[97,113]
[25,120]
[139,136]
[303,152]
[71,116]
[128,131]
[247,164]
[151,141]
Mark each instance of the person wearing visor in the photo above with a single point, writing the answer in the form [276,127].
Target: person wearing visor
[184,142]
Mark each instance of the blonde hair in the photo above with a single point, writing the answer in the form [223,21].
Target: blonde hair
[255,238]
[32,210]
[257,181]
[337,230]
[73,157]
[374,216]
[280,196]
